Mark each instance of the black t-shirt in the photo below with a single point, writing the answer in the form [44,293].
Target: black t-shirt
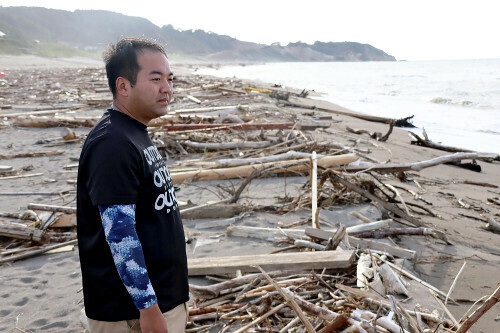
[120,165]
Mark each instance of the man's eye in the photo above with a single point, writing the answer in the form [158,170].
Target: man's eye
[156,79]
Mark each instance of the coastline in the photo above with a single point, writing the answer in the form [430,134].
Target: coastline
[41,293]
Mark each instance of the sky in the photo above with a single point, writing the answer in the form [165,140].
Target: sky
[408,30]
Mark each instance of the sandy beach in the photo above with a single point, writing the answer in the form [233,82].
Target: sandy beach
[43,294]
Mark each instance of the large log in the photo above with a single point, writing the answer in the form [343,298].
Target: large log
[336,260]
[245,171]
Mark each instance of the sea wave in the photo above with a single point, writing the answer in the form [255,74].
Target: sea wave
[442,100]
[489,132]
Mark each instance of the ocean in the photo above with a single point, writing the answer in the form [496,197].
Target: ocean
[456,101]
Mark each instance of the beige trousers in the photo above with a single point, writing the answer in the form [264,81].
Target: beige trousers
[176,323]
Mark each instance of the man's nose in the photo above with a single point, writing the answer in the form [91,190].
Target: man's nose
[168,88]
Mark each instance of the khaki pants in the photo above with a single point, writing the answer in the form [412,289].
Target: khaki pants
[176,323]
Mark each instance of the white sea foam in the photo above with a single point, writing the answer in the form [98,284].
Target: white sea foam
[457,102]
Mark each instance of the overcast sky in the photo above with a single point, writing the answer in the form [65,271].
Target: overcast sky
[408,30]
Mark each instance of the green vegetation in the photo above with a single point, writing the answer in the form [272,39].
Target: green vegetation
[57,50]
[42,49]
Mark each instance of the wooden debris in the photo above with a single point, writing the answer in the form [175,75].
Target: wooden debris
[32,154]
[287,261]
[249,132]
[355,242]
[22,231]
[226,127]
[33,253]
[493,225]
[474,317]
[245,171]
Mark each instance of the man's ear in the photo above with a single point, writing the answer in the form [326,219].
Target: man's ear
[122,86]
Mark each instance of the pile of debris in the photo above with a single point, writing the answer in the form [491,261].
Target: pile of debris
[337,279]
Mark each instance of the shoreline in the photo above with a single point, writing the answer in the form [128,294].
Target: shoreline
[51,282]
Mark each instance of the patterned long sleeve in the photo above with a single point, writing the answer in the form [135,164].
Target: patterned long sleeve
[119,228]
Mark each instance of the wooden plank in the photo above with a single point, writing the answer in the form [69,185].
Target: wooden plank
[64,221]
[337,260]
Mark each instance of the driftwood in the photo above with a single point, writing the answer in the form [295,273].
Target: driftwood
[227,145]
[211,211]
[417,166]
[364,244]
[244,171]
[391,281]
[492,225]
[215,290]
[227,127]
[33,154]
[276,233]
[22,176]
[21,231]
[413,277]
[307,103]
[387,205]
[429,144]
[398,232]
[314,309]
[52,208]
[36,252]
[208,109]
[474,317]
[40,113]
[45,122]
[235,91]
[364,272]
[374,135]
[285,261]
[233,162]
[290,299]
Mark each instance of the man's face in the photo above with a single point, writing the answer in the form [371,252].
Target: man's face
[152,92]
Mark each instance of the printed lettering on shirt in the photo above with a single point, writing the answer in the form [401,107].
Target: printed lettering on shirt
[161,179]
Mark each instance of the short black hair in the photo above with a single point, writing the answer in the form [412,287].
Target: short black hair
[121,59]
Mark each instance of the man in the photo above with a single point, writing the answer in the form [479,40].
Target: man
[130,234]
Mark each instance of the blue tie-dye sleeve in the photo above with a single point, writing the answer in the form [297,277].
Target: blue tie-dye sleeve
[118,222]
